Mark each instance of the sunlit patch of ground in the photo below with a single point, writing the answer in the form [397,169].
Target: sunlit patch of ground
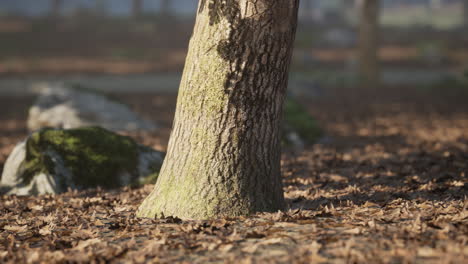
[388,185]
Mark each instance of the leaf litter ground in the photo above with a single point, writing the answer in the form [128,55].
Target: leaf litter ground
[387,185]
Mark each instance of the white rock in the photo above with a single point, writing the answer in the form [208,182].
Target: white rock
[13,165]
[63,107]
[42,183]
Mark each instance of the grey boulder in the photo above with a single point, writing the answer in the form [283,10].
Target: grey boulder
[62,106]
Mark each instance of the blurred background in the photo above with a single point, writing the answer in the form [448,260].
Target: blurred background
[135,49]
[142,43]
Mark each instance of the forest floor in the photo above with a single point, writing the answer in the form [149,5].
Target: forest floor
[387,185]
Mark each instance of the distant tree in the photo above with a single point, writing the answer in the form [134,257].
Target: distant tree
[435,4]
[165,7]
[345,6]
[307,9]
[432,6]
[223,156]
[465,13]
[137,8]
[369,71]
[101,7]
[55,7]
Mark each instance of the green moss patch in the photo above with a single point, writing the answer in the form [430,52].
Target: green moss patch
[297,119]
[94,156]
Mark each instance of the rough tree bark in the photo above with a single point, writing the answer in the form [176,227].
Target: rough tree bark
[369,71]
[223,156]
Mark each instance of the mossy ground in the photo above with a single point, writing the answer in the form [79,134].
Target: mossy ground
[94,155]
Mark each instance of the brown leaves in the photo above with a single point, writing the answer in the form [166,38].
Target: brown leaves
[386,189]
[15,228]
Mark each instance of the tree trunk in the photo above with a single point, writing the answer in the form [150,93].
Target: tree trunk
[307,13]
[137,6]
[432,6]
[55,7]
[369,71]
[100,7]
[165,7]
[345,6]
[465,13]
[223,156]
[435,4]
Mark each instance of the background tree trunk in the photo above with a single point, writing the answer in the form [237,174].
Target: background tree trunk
[465,13]
[307,13]
[432,7]
[137,6]
[369,71]
[165,7]
[344,9]
[100,7]
[55,7]
[223,156]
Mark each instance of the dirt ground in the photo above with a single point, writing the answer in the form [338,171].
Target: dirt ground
[387,185]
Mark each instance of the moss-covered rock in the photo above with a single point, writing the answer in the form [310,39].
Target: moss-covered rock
[299,127]
[53,160]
